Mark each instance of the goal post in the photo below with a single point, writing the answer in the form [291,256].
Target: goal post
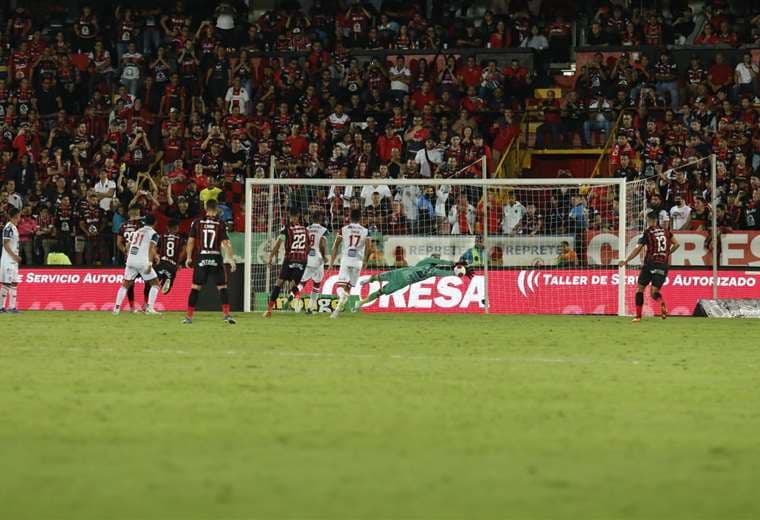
[528,240]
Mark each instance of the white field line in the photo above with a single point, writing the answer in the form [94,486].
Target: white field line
[318,355]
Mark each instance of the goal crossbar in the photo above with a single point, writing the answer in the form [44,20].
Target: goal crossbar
[434,182]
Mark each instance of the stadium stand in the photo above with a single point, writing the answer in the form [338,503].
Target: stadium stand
[166,105]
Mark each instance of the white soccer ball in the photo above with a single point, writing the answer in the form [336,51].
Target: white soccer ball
[459,270]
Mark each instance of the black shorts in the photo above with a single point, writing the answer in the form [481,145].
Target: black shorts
[656,274]
[166,271]
[292,271]
[209,267]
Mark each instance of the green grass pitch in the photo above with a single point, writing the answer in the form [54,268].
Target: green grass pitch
[378,417]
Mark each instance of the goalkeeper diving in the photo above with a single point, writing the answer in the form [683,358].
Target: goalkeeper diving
[402,277]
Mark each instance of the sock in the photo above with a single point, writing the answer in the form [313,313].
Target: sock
[224,297]
[12,297]
[274,295]
[342,296]
[152,294]
[313,297]
[146,293]
[658,297]
[131,296]
[120,296]
[3,293]
[191,301]
[639,303]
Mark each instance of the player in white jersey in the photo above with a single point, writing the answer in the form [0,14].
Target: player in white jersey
[141,255]
[315,263]
[9,278]
[354,255]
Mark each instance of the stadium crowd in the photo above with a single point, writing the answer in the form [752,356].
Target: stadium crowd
[164,109]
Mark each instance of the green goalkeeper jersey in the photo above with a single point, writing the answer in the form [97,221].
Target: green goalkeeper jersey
[422,270]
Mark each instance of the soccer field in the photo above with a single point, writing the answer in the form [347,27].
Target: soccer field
[378,417]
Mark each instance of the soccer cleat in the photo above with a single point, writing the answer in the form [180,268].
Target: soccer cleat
[663,310]
[151,312]
[636,320]
[116,311]
[187,321]
[308,310]
[166,287]
[136,310]
[229,320]
[267,314]
[2,311]
[334,314]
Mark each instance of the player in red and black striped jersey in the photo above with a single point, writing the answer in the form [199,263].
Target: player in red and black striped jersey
[133,223]
[297,242]
[659,243]
[172,253]
[208,249]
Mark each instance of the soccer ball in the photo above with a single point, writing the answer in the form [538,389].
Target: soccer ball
[459,270]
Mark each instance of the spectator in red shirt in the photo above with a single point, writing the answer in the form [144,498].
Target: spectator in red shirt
[173,149]
[501,37]
[423,96]
[504,131]
[298,143]
[653,31]
[725,35]
[386,143]
[721,74]
[469,75]
[707,37]
[177,176]
[552,121]
[516,81]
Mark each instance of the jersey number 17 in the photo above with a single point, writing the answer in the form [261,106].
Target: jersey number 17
[209,236]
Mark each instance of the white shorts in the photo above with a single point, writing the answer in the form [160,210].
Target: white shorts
[131,272]
[9,273]
[349,274]
[315,273]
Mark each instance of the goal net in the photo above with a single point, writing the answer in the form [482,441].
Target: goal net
[536,246]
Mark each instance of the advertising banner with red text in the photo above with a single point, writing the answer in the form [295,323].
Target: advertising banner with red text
[551,291]
[738,248]
[528,291]
[76,289]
